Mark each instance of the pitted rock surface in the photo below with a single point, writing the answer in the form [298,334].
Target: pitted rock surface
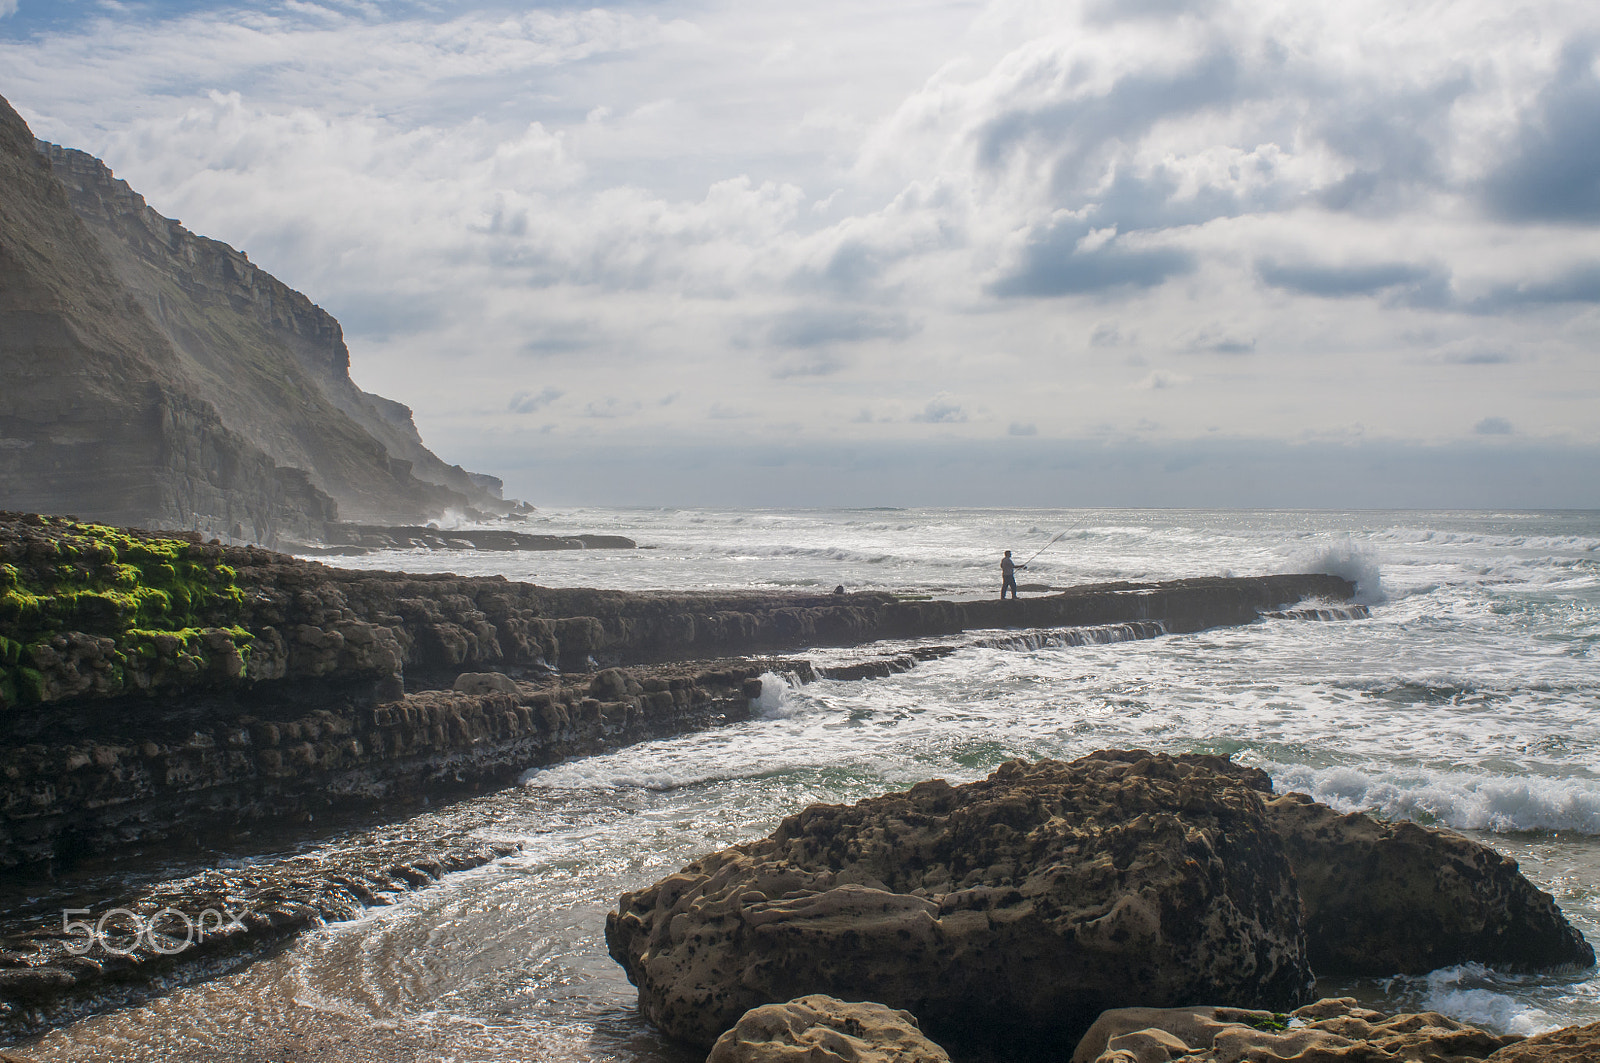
[1574,1044]
[823,1029]
[1399,898]
[1012,910]
[1334,1030]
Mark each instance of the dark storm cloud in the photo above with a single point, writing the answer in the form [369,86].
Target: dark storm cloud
[817,326]
[1553,175]
[1419,282]
[1053,264]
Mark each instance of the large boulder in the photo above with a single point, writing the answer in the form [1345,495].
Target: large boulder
[1012,911]
[823,1029]
[1398,898]
[1329,1031]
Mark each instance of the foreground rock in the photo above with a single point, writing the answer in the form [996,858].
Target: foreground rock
[1010,911]
[1575,1044]
[823,1029]
[1398,898]
[1329,1031]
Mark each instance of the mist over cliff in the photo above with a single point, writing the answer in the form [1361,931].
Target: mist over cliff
[158,378]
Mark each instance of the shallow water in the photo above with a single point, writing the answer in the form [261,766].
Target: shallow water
[1471,698]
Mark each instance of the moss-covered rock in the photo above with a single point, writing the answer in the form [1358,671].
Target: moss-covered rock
[89,608]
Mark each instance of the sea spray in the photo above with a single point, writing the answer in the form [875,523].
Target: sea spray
[1355,562]
[777,700]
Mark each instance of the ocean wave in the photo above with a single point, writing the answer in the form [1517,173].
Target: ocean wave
[1419,536]
[825,553]
[1355,562]
[1476,995]
[1501,804]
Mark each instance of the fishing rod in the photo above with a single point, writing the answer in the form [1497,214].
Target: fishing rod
[1052,542]
[1045,547]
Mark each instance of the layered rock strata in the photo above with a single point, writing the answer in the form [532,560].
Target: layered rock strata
[273,363]
[158,378]
[1008,912]
[149,683]
[200,778]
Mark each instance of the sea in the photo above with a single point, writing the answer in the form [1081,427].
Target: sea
[1469,698]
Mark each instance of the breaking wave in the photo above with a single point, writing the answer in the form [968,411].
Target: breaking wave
[1502,804]
[1356,563]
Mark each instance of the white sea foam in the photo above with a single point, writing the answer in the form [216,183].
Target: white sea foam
[1469,994]
[777,700]
[1466,802]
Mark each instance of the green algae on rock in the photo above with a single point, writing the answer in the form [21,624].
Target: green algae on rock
[93,609]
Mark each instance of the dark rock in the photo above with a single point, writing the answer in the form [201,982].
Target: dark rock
[1010,911]
[1399,898]
[484,683]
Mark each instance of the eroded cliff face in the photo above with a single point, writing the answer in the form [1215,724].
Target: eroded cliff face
[156,378]
[95,413]
[274,363]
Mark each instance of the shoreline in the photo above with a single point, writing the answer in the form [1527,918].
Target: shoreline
[295,691]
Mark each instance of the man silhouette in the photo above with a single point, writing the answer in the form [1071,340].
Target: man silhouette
[1008,576]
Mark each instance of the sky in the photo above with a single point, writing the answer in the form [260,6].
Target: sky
[1326,253]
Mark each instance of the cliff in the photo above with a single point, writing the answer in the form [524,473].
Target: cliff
[157,378]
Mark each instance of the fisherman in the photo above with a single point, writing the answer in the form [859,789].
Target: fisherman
[1008,576]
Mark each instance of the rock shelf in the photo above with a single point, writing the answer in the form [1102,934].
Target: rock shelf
[155,686]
